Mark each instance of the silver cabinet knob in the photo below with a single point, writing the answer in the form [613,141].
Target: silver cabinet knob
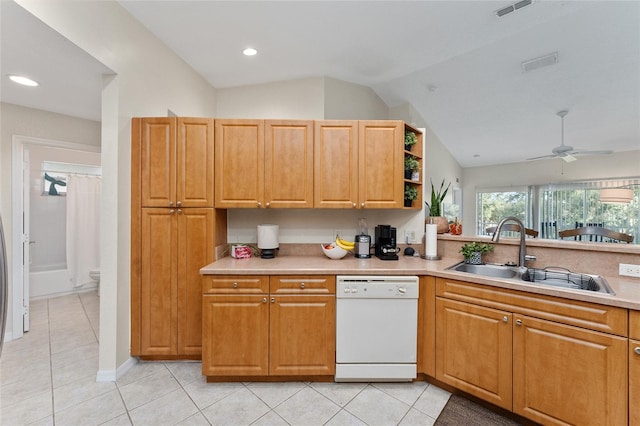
[273,299]
[361,204]
[170,203]
[179,204]
[234,285]
[172,211]
[301,285]
[518,322]
[505,319]
[354,205]
[637,350]
[259,204]
[179,211]
[268,205]
[264,300]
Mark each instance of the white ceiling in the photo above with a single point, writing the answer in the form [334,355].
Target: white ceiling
[454,61]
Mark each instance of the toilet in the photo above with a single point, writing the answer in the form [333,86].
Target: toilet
[95,275]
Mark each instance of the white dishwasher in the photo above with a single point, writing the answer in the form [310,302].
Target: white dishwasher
[376,328]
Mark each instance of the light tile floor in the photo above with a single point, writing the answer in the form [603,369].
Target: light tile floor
[48,377]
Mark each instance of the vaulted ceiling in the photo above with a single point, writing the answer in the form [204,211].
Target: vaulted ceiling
[456,62]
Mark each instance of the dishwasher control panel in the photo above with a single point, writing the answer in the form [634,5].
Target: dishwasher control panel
[377,287]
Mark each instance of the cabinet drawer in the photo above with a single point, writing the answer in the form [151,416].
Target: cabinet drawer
[582,314]
[295,284]
[634,324]
[236,284]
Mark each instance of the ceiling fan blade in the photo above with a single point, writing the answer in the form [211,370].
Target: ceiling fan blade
[541,157]
[586,152]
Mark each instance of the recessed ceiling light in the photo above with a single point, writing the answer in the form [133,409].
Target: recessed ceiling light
[249,51]
[22,80]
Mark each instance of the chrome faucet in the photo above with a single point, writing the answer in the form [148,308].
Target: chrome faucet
[522,256]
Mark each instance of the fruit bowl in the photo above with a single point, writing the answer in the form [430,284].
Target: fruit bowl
[332,251]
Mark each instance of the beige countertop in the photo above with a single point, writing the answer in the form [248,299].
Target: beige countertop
[627,289]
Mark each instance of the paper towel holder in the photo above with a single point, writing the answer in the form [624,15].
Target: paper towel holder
[423,253]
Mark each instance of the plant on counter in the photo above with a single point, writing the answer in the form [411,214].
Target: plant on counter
[410,139]
[473,251]
[435,207]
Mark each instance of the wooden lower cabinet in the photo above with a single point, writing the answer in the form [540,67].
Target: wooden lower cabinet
[551,372]
[634,382]
[236,330]
[473,350]
[427,326]
[166,307]
[567,375]
[289,331]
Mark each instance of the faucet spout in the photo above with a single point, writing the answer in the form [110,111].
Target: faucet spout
[518,222]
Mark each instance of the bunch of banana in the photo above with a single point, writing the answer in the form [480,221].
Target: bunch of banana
[345,245]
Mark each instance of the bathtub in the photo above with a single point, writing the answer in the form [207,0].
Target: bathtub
[54,282]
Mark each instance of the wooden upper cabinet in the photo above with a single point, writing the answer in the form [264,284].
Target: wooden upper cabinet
[381,164]
[176,161]
[336,164]
[157,148]
[288,172]
[239,163]
[194,184]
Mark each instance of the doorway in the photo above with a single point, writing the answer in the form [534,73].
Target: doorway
[28,164]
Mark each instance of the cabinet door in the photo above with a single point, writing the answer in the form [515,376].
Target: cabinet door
[568,375]
[381,164]
[427,326]
[239,163]
[302,332]
[237,335]
[336,164]
[473,350]
[634,382]
[194,162]
[288,172]
[157,150]
[196,230]
[158,285]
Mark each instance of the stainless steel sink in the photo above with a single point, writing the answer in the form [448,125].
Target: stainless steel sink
[552,276]
[489,270]
[564,278]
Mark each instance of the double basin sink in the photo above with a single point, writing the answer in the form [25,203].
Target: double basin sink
[556,277]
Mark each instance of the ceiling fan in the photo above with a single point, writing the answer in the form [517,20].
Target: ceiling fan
[566,152]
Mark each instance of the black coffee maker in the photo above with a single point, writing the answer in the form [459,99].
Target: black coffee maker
[386,243]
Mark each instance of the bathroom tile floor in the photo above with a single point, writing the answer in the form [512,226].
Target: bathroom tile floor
[48,377]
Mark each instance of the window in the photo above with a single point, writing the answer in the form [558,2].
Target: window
[552,208]
[494,205]
[54,175]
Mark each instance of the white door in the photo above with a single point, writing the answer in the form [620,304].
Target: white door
[26,243]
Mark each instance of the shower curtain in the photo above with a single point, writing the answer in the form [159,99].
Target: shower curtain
[83,227]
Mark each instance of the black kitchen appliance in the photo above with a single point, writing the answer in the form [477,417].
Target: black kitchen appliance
[386,243]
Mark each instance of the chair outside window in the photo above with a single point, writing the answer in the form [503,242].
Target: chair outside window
[596,233]
[513,229]
[549,229]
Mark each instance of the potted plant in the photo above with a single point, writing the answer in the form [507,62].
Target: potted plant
[411,165]
[410,194]
[410,139]
[435,208]
[473,252]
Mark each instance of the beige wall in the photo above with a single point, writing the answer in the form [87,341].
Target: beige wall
[349,101]
[18,120]
[620,164]
[150,81]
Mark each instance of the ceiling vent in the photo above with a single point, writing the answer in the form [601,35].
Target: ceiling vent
[513,7]
[542,61]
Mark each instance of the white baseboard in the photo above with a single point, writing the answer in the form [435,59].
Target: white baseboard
[113,375]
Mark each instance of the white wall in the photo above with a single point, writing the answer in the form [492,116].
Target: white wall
[617,165]
[349,101]
[151,80]
[18,120]
[295,99]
